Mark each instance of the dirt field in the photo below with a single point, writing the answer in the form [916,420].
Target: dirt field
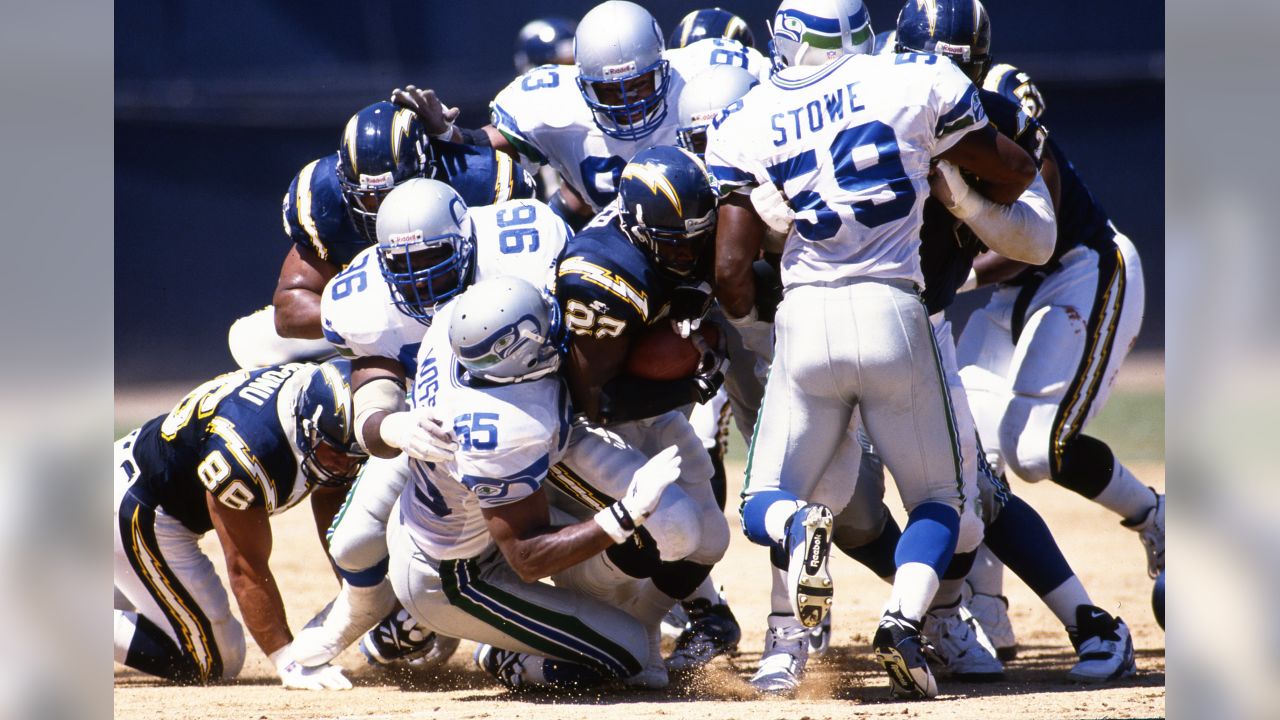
[846,682]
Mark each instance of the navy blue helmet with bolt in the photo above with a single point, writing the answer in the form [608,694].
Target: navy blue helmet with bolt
[710,23]
[545,41]
[382,146]
[668,207]
[958,29]
[325,426]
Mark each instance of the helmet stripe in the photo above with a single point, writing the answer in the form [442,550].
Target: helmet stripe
[653,179]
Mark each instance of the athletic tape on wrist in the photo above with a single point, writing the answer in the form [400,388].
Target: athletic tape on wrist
[379,394]
[616,522]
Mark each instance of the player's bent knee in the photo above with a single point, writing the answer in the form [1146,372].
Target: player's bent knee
[757,508]
[1025,446]
[715,539]
[358,546]
[675,525]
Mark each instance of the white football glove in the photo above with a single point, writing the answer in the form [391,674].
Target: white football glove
[773,208]
[756,334]
[623,517]
[296,677]
[419,433]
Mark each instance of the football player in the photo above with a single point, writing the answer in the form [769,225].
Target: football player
[431,246]
[711,23]
[474,534]
[644,261]
[1039,361]
[588,120]
[865,270]
[235,451]
[329,215]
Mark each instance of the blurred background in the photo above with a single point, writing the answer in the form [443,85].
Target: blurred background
[218,105]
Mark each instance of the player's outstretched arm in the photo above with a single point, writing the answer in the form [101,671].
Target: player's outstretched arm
[523,533]
[1005,169]
[298,290]
[384,427]
[245,536]
[739,230]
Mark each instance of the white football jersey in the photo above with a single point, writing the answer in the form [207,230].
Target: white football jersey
[849,143]
[508,437]
[545,116]
[518,237]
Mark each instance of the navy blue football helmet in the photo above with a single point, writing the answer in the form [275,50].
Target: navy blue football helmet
[382,146]
[710,23]
[545,41]
[324,415]
[958,29]
[668,207]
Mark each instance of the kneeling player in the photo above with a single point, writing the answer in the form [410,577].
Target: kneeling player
[474,535]
[234,451]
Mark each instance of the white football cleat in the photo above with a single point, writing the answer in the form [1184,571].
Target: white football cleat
[1150,530]
[958,644]
[992,614]
[1103,644]
[786,652]
[808,548]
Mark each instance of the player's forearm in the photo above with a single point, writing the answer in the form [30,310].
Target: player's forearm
[555,549]
[992,268]
[297,313]
[738,234]
[261,607]
[1025,230]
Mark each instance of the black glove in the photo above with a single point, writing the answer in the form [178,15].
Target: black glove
[710,373]
[689,305]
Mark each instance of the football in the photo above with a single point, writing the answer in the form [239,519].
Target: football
[659,353]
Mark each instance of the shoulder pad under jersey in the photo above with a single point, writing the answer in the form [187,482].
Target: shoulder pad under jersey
[543,100]
[315,215]
[606,286]
[358,317]
[480,174]
[524,238]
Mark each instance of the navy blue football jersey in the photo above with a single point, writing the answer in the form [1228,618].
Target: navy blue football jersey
[606,286]
[948,246]
[224,438]
[1081,218]
[315,213]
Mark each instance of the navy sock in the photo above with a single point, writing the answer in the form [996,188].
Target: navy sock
[152,652]
[878,555]
[1021,540]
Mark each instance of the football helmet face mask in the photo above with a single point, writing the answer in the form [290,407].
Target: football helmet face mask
[426,249]
[710,23]
[621,72]
[704,97]
[546,41]
[668,207]
[505,330]
[325,426]
[815,32]
[958,29]
[382,146]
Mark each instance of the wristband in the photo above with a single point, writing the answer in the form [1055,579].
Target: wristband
[616,522]
[447,134]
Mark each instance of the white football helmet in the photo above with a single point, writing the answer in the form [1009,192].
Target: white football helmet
[704,97]
[425,245]
[815,32]
[621,72]
[505,330]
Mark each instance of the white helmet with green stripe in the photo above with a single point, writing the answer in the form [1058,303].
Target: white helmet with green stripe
[815,32]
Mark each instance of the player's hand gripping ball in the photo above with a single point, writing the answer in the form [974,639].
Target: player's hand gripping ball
[659,353]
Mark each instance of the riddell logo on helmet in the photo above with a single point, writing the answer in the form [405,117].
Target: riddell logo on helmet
[377,182]
[408,238]
[960,52]
[627,68]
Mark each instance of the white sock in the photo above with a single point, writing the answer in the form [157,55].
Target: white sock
[1064,599]
[987,575]
[776,517]
[1126,496]
[649,605]
[779,596]
[126,623]
[913,590]
[948,594]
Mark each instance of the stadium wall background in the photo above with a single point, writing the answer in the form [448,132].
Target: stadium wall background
[218,105]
